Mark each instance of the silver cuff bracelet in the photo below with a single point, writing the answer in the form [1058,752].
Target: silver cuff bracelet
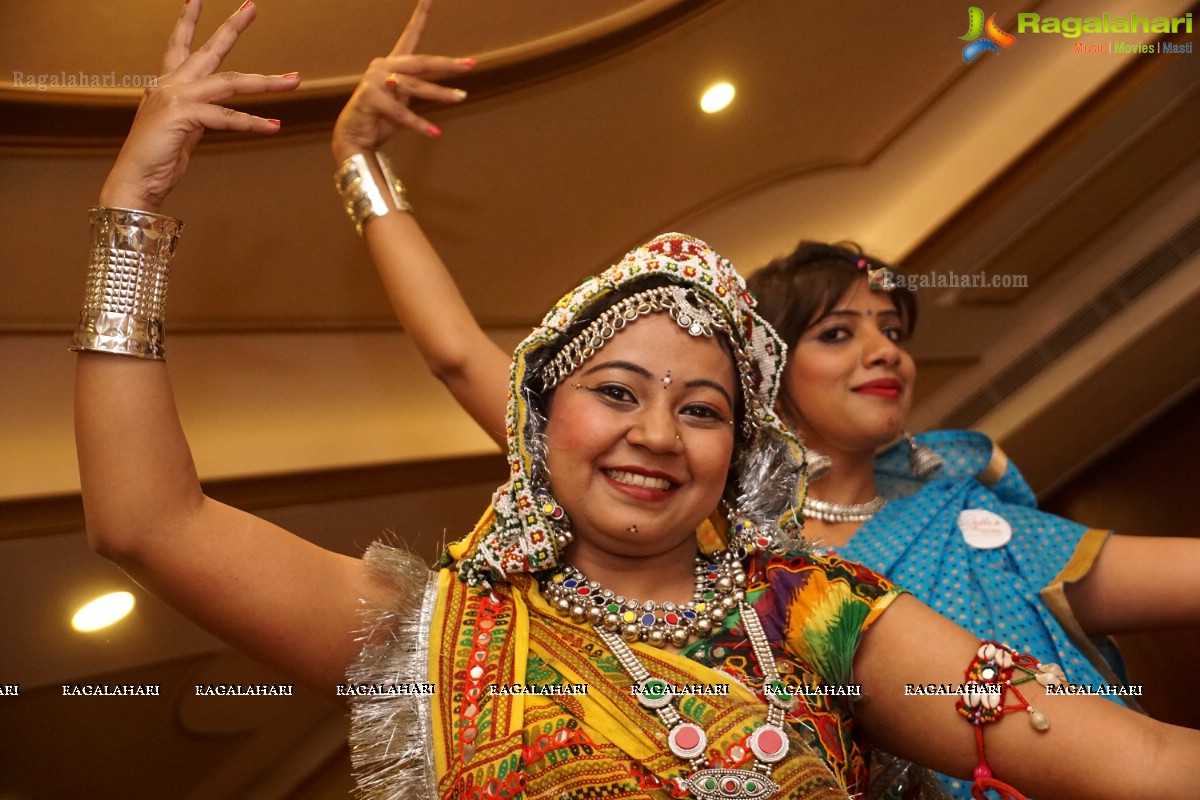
[361,195]
[130,259]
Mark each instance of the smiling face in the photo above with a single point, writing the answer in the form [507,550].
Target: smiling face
[636,460]
[849,381]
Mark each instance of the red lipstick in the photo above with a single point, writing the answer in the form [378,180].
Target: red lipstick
[889,388]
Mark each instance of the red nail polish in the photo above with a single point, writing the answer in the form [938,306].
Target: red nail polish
[434,130]
[247,3]
[291,75]
[274,122]
[467,62]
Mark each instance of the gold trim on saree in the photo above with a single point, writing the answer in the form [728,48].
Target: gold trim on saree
[996,467]
[1055,597]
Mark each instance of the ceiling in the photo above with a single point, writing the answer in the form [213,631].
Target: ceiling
[581,137]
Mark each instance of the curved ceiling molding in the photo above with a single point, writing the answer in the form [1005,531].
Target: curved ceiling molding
[897,188]
[100,117]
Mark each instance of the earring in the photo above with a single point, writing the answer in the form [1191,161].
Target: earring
[922,460]
[817,463]
[555,515]
[745,537]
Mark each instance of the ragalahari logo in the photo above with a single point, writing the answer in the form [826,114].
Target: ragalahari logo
[994,37]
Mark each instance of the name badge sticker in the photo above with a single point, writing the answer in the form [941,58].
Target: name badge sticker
[984,530]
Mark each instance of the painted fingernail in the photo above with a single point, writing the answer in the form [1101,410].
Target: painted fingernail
[274,122]
[291,75]
[467,62]
[434,130]
[245,4]
[460,94]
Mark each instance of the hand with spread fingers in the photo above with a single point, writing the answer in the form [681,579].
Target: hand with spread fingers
[436,316]
[174,114]
[380,103]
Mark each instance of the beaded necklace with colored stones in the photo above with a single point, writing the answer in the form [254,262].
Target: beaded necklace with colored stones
[720,585]
[687,740]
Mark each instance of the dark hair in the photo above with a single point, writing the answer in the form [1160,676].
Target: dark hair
[797,290]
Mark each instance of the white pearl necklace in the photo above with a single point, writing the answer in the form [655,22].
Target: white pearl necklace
[841,512]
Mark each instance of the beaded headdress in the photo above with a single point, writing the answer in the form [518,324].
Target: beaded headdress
[700,290]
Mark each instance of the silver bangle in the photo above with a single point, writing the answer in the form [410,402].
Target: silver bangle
[361,195]
[125,299]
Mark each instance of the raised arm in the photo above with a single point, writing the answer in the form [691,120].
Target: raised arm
[1139,583]
[1093,749]
[263,590]
[423,295]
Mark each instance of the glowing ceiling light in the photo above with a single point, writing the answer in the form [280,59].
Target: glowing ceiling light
[717,97]
[103,611]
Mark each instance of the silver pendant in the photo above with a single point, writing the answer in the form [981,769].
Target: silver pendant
[730,784]
[769,744]
[687,740]
[654,693]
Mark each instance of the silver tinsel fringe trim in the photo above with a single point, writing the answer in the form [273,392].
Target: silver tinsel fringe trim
[391,736]
[893,777]
[768,479]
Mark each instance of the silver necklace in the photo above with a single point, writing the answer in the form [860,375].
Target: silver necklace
[841,512]
[688,741]
[720,584]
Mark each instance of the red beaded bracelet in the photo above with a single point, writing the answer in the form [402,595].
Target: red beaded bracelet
[987,681]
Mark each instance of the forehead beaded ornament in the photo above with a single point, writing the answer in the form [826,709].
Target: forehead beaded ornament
[690,310]
[703,294]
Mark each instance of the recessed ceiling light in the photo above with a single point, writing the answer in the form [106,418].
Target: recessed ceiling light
[717,97]
[103,611]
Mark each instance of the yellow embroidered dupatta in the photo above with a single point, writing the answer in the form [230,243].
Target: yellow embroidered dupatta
[591,737]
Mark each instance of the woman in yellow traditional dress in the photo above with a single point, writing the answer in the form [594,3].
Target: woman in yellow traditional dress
[646,463]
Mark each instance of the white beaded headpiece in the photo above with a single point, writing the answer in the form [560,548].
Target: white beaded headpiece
[687,279]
